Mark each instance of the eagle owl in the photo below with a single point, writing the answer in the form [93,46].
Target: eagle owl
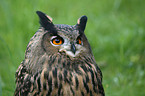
[59,62]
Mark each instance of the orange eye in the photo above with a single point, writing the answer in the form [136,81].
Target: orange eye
[57,41]
[79,41]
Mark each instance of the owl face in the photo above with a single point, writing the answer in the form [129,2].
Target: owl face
[64,39]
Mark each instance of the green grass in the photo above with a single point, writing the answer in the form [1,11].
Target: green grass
[115,29]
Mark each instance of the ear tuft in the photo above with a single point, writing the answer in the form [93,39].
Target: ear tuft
[82,23]
[46,21]
[49,18]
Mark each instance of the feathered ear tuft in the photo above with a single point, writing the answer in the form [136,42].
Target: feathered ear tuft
[82,21]
[46,22]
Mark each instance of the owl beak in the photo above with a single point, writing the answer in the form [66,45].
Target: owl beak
[73,48]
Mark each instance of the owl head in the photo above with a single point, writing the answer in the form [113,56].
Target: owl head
[64,39]
[59,39]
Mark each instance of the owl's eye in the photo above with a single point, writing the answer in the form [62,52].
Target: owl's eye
[79,41]
[57,41]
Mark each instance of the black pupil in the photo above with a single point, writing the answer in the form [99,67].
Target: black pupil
[57,40]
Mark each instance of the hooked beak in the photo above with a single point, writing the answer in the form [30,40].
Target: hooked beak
[73,48]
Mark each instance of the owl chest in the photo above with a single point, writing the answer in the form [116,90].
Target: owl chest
[67,83]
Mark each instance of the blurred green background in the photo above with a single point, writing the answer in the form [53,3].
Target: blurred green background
[115,29]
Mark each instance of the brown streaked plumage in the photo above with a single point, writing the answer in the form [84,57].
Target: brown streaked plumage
[59,62]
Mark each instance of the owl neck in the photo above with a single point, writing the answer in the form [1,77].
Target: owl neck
[64,61]
[58,61]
